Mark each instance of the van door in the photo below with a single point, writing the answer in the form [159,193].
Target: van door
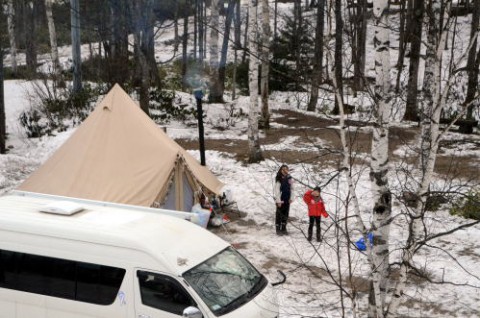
[160,296]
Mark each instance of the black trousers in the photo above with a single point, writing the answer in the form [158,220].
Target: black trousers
[314,220]
[281,217]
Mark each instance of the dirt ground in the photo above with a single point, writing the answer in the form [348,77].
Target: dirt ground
[310,128]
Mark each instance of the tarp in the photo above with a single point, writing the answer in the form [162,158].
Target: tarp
[118,154]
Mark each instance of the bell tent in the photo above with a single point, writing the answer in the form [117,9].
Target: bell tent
[118,154]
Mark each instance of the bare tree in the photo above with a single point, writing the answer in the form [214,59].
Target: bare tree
[3,126]
[317,72]
[379,160]
[473,62]
[265,64]
[53,42]
[12,35]
[338,69]
[76,53]
[226,39]
[415,36]
[216,94]
[29,21]
[254,151]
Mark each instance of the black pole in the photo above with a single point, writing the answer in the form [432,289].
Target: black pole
[198,97]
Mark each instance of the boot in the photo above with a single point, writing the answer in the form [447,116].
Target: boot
[278,230]
[309,238]
[319,237]
[284,229]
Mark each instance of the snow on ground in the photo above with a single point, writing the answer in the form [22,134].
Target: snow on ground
[309,291]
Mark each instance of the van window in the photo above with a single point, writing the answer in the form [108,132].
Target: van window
[56,277]
[226,281]
[163,292]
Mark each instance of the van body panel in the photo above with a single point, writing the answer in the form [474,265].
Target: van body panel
[104,237]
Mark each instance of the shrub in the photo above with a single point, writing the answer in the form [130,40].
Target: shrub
[58,109]
[468,206]
[166,106]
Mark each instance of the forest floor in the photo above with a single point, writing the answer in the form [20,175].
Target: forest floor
[307,129]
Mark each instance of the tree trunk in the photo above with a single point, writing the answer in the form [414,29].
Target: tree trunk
[360,40]
[318,57]
[402,44]
[76,53]
[11,35]
[338,54]
[216,93]
[237,45]
[3,124]
[473,60]
[142,12]
[265,69]
[430,136]
[411,111]
[379,160]
[201,32]
[186,12]
[226,40]
[297,27]
[30,38]
[254,151]
[53,43]
[118,58]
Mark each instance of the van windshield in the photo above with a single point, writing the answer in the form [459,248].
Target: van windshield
[226,281]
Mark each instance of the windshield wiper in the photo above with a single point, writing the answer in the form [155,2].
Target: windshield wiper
[234,304]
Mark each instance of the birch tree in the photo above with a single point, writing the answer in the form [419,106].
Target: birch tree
[76,53]
[379,160]
[215,95]
[254,151]
[3,124]
[265,60]
[53,40]
[11,35]
[226,39]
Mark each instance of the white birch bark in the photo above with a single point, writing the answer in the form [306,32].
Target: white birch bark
[213,50]
[53,38]
[435,100]
[265,53]
[254,151]
[76,53]
[379,160]
[11,35]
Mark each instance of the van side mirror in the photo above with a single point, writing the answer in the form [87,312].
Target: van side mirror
[192,312]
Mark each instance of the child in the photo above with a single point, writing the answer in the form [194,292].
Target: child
[316,209]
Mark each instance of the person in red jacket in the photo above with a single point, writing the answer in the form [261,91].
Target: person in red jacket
[316,209]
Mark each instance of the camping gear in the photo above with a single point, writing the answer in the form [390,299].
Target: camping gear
[118,154]
[361,242]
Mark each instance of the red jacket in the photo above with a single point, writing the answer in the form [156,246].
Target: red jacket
[315,208]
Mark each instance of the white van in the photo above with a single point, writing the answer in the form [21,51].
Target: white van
[81,258]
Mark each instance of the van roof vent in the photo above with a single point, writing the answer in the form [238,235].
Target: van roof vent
[62,207]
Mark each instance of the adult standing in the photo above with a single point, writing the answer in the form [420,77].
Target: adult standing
[283,198]
[316,209]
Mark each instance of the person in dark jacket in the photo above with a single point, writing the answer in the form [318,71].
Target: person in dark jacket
[316,209]
[283,198]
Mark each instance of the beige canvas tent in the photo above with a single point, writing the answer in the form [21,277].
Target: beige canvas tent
[118,154]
